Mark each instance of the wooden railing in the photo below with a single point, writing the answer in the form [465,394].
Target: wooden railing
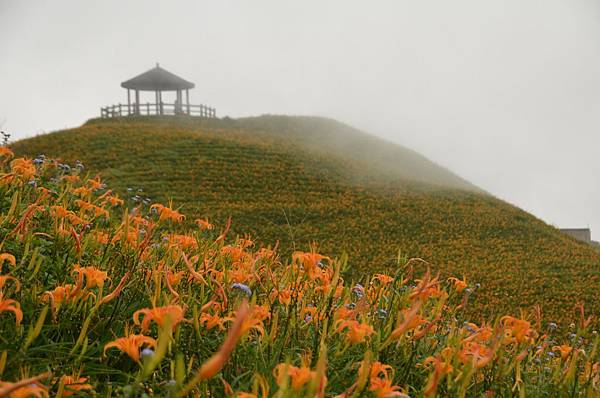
[149,109]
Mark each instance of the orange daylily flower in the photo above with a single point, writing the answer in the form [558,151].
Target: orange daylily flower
[183,242]
[429,326]
[285,296]
[245,395]
[459,285]
[171,314]
[378,370]
[12,306]
[244,243]
[380,378]
[174,278]
[5,278]
[476,354]
[323,280]
[71,178]
[440,368]
[92,208]
[255,320]
[100,237]
[212,320]
[131,344]
[83,192]
[356,332]
[6,152]
[60,212]
[92,275]
[384,279]
[411,321]
[113,200]
[261,312]
[241,275]
[237,254]
[57,296]
[75,219]
[564,350]
[139,221]
[74,384]
[427,288]
[95,184]
[266,253]
[299,376]
[344,313]
[309,260]
[204,225]
[166,213]
[63,294]
[476,333]
[7,257]
[517,330]
[130,239]
[380,381]
[23,168]
[19,390]
[384,388]
[6,178]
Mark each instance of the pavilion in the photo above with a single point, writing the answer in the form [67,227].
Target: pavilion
[157,80]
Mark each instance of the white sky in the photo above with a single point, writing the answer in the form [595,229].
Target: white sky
[505,93]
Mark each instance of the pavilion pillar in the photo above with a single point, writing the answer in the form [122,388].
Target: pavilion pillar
[160,101]
[137,102]
[180,101]
[128,102]
[187,100]
[156,102]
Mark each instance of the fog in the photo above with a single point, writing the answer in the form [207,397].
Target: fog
[504,93]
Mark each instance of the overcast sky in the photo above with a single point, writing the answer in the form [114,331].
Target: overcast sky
[506,93]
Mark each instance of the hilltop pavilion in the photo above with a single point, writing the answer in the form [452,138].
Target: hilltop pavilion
[157,80]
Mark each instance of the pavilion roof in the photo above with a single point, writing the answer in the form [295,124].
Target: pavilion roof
[157,79]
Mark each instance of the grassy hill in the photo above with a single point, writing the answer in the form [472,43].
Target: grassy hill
[117,305]
[295,180]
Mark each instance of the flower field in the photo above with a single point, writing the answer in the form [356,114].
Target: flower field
[104,296]
[289,182]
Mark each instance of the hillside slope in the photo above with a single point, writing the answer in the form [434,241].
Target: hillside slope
[295,180]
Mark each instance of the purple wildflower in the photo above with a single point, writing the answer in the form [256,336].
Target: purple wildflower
[147,352]
[243,288]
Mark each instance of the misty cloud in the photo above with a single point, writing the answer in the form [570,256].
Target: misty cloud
[504,93]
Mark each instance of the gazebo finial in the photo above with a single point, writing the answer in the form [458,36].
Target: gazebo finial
[157,64]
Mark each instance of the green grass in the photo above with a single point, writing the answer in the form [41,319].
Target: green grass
[294,180]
